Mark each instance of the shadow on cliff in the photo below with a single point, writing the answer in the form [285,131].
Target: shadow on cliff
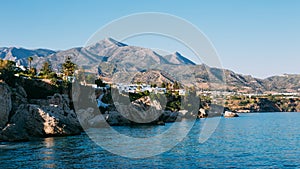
[37,109]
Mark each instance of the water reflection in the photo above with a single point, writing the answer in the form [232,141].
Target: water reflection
[48,153]
[49,142]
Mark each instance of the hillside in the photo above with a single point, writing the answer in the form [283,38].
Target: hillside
[121,63]
[284,83]
[20,55]
[153,77]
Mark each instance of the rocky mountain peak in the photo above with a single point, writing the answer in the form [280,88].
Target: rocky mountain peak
[108,42]
[177,58]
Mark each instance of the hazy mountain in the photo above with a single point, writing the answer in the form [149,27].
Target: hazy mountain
[20,55]
[283,83]
[124,63]
[177,58]
[109,50]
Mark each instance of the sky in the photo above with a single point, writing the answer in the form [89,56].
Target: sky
[252,37]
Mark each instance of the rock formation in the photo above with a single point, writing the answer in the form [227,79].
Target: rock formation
[202,113]
[21,120]
[266,105]
[141,111]
[230,114]
[5,104]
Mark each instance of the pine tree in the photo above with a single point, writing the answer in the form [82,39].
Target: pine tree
[46,69]
[68,68]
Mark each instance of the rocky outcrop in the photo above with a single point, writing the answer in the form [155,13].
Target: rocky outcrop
[115,118]
[230,114]
[5,104]
[270,103]
[19,96]
[140,111]
[266,105]
[32,120]
[169,117]
[202,113]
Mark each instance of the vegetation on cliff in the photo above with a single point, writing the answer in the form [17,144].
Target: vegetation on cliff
[267,103]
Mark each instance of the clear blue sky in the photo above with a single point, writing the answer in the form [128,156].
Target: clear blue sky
[257,37]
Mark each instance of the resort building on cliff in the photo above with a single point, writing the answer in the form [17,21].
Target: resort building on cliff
[136,88]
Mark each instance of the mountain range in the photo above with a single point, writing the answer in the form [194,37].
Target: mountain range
[124,63]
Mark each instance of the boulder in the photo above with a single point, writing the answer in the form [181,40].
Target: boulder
[143,110]
[97,121]
[230,114]
[115,118]
[169,116]
[5,104]
[85,115]
[182,113]
[13,132]
[202,113]
[41,121]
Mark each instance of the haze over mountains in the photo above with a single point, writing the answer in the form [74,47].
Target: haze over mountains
[20,55]
[124,63]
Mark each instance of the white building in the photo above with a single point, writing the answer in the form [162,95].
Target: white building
[135,88]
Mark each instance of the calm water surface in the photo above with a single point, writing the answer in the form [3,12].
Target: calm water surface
[269,140]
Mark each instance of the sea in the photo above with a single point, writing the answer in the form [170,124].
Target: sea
[253,140]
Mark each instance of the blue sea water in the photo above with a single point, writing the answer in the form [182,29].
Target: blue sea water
[258,140]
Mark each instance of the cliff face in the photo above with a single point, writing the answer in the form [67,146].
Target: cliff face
[23,119]
[266,104]
[40,121]
[5,104]
[140,111]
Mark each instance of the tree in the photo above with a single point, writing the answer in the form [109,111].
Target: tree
[176,85]
[46,69]
[7,71]
[6,65]
[168,86]
[163,85]
[30,59]
[153,85]
[68,67]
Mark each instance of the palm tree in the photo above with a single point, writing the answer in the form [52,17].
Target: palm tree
[30,59]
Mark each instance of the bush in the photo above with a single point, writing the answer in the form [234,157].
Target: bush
[7,71]
[244,103]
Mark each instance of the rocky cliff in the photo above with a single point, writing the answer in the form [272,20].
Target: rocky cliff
[23,119]
[263,104]
[140,111]
[5,104]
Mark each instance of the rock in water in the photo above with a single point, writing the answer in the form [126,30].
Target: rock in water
[41,121]
[202,113]
[230,114]
[5,104]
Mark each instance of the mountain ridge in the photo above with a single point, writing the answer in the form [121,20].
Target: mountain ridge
[109,56]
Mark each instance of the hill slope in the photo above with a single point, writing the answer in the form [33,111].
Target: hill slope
[124,63]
